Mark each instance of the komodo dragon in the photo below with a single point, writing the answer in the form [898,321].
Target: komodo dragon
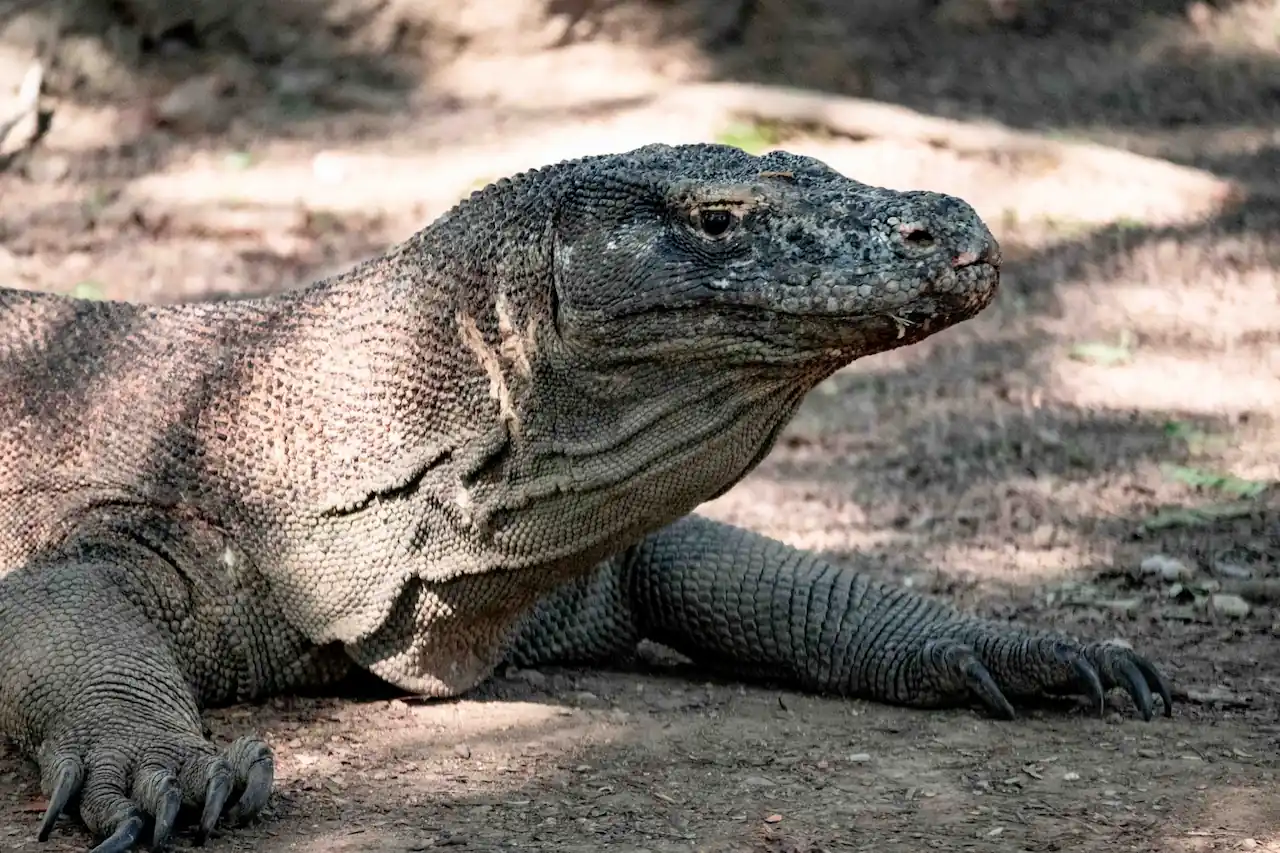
[479,448]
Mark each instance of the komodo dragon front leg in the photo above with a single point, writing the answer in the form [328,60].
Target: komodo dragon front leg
[91,685]
[742,602]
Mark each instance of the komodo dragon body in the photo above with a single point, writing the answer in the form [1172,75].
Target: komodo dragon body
[481,447]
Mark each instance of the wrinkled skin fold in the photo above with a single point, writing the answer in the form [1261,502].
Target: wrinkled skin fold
[482,447]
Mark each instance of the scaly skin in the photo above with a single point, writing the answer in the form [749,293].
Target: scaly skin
[478,447]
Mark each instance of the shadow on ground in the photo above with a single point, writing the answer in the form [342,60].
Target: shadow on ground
[564,760]
[110,49]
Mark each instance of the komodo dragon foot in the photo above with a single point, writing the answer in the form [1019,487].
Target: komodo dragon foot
[93,691]
[126,781]
[1014,664]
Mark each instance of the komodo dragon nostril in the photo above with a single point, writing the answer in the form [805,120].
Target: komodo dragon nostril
[917,236]
[914,235]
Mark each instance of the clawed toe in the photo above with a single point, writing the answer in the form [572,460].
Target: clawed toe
[124,838]
[1102,666]
[118,803]
[985,689]
[1120,666]
[216,795]
[1088,682]
[963,672]
[255,771]
[69,778]
[1030,666]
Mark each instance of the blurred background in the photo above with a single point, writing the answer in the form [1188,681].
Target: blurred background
[1094,453]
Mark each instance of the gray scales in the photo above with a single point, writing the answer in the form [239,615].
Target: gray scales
[482,447]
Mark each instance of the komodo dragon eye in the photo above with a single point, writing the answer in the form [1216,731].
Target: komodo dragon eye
[715,222]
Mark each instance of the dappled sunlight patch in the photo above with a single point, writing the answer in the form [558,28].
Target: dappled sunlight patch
[480,720]
[352,839]
[1240,307]
[1013,531]
[1196,292]
[1007,563]
[421,170]
[1166,381]
[441,748]
[781,509]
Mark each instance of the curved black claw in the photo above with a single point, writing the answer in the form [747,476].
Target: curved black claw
[1120,666]
[257,770]
[166,814]
[1157,680]
[124,838]
[215,800]
[66,786]
[1132,680]
[984,687]
[1089,681]
[957,672]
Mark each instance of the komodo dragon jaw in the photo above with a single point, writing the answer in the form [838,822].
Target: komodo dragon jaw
[471,450]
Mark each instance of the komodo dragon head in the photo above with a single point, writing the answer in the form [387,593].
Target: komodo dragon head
[644,324]
[777,264]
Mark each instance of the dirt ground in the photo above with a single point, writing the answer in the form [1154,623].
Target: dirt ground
[1094,453]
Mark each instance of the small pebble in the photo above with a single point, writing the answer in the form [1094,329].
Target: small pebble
[1169,569]
[1231,606]
[194,106]
[1232,571]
